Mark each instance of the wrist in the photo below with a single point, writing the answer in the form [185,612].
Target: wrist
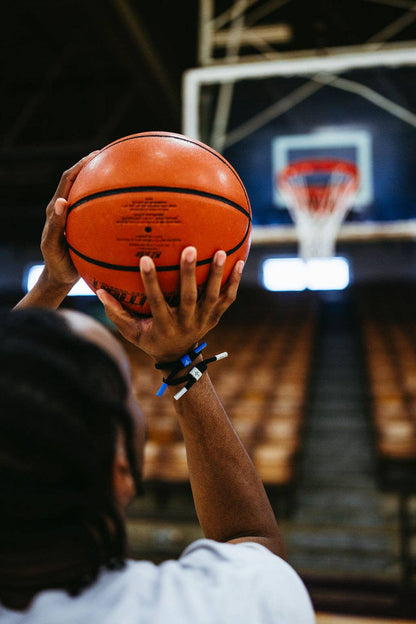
[165,361]
[185,372]
[190,391]
[49,281]
[179,362]
[176,372]
[46,293]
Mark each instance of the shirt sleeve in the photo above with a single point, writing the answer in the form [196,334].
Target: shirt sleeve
[262,584]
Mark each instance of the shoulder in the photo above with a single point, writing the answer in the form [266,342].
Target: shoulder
[252,572]
[206,552]
[210,583]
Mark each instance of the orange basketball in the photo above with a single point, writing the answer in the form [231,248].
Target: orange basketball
[153,194]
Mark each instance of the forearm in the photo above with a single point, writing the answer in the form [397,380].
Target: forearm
[46,293]
[229,497]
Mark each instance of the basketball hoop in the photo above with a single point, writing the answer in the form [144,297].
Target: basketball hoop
[318,194]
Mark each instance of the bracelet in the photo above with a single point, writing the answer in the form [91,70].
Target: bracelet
[183,361]
[177,365]
[192,376]
[196,373]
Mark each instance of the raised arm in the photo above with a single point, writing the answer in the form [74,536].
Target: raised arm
[230,499]
[59,274]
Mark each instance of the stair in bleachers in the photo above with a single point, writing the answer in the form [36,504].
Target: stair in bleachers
[340,527]
[388,326]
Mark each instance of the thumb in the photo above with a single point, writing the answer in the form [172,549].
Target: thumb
[53,235]
[122,319]
[57,219]
[60,208]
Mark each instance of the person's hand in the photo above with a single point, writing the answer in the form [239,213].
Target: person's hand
[59,274]
[171,332]
[59,269]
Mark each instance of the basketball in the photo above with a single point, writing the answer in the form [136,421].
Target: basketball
[153,194]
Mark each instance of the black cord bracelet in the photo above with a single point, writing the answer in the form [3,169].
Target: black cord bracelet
[192,376]
[183,361]
[177,366]
[201,366]
[196,373]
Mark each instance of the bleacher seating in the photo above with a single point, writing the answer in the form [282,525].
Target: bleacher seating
[388,319]
[263,385]
[389,332]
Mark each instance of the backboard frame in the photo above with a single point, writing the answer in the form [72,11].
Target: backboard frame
[335,61]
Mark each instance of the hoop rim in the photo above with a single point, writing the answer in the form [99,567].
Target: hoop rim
[313,165]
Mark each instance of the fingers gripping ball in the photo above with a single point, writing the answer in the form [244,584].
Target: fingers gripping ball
[153,194]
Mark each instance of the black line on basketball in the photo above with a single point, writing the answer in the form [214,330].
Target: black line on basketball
[185,140]
[158,189]
[136,268]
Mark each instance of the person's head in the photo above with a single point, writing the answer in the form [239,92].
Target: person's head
[71,448]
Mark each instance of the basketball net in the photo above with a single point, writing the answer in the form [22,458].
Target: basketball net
[318,194]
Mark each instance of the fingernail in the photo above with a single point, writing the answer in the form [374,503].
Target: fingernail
[59,207]
[145,264]
[220,258]
[99,294]
[240,266]
[190,254]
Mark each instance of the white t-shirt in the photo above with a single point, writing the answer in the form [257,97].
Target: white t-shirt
[210,583]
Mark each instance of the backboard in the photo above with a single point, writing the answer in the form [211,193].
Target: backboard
[358,105]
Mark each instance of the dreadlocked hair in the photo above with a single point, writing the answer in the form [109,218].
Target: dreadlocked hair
[62,404]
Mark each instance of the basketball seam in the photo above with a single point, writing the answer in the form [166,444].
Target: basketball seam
[158,189]
[136,269]
[185,140]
